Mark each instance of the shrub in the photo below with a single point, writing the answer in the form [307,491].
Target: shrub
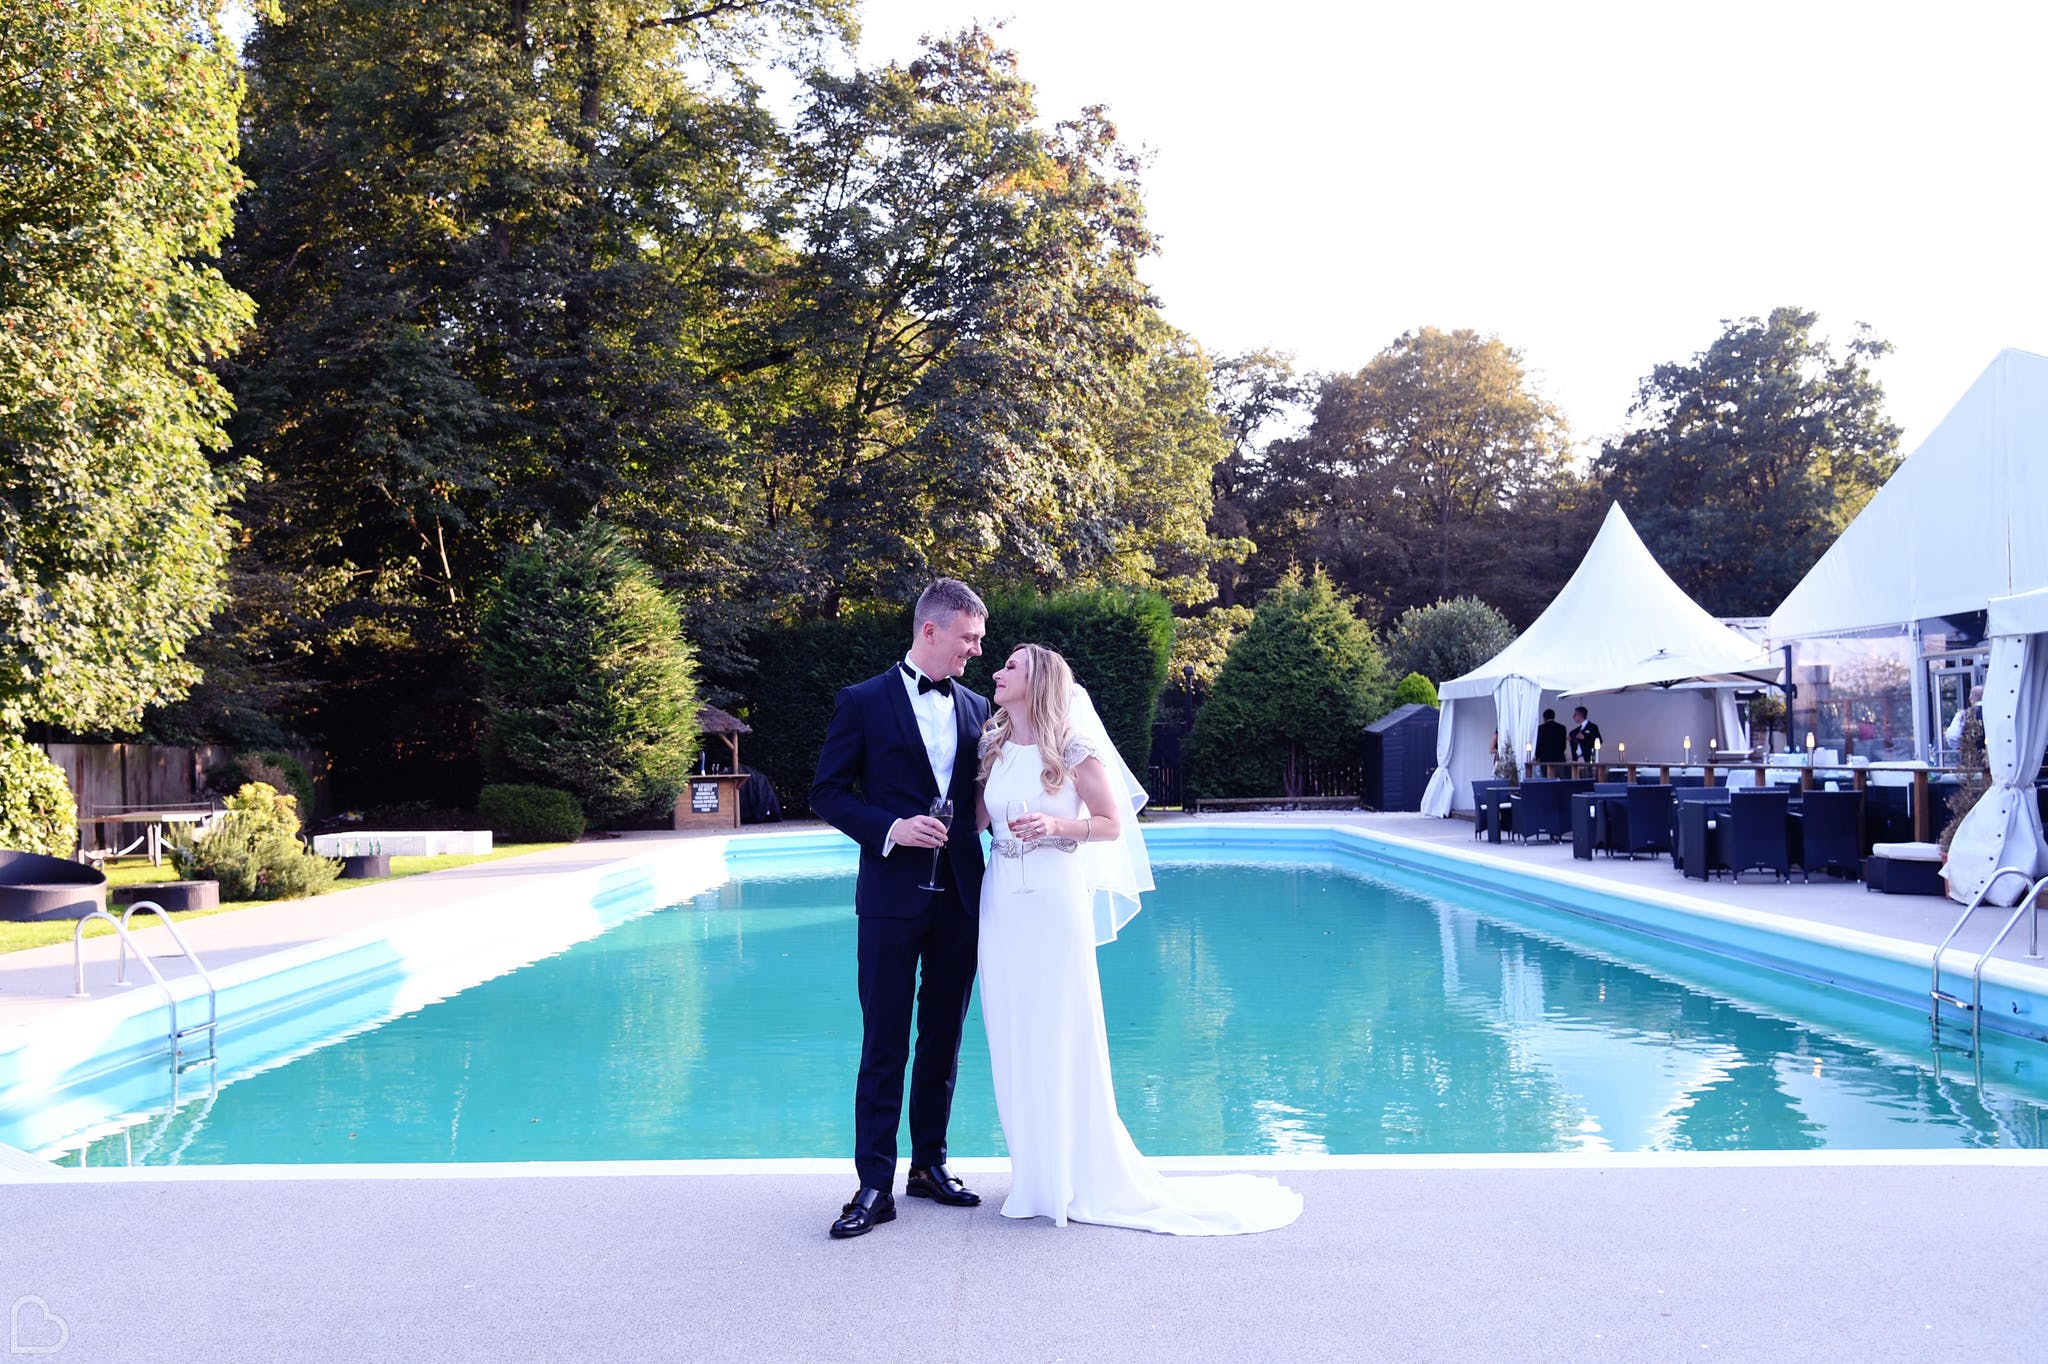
[37,811]
[1415,690]
[1448,639]
[588,684]
[530,814]
[255,853]
[1118,643]
[1301,683]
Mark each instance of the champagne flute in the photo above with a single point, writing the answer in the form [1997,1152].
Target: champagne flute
[942,811]
[1012,812]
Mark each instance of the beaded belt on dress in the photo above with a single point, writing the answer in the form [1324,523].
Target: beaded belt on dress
[1011,847]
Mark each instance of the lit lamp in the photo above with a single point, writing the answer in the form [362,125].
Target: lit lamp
[1809,748]
[1688,750]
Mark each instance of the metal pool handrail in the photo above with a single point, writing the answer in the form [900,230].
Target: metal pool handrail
[1937,996]
[120,927]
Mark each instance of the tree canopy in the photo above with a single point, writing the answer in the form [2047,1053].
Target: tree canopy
[1447,639]
[1747,461]
[117,180]
[1432,470]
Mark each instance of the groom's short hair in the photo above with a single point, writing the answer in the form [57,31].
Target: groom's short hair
[943,600]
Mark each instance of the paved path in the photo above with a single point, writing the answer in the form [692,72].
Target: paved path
[1796,1260]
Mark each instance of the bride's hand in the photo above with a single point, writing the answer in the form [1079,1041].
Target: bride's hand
[1030,828]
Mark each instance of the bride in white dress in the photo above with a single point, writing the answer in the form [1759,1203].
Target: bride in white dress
[1068,869]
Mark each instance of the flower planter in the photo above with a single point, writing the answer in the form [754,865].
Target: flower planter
[366,866]
[173,897]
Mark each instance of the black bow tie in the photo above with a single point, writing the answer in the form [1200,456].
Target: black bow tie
[944,686]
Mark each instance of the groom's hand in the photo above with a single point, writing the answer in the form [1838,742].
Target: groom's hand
[918,831]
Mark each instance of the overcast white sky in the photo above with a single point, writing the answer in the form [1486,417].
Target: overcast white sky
[1597,184]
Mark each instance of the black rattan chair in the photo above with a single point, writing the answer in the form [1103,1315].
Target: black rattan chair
[1758,841]
[1646,821]
[1830,841]
[1541,810]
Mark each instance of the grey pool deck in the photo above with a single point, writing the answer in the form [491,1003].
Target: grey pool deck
[1842,1256]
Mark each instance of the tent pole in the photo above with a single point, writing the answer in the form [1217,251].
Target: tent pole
[1922,732]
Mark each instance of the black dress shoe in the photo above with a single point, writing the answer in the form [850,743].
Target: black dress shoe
[869,1209]
[941,1186]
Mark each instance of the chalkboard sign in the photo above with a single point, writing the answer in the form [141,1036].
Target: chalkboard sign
[703,797]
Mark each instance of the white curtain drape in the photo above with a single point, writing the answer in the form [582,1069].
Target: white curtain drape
[1436,797]
[1516,702]
[1730,720]
[2003,829]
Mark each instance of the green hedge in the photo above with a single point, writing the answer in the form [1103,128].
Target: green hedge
[1117,642]
[519,813]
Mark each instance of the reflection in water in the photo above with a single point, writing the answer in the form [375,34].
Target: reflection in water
[1275,1009]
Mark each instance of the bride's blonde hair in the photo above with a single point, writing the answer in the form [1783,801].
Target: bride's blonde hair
[1048,682]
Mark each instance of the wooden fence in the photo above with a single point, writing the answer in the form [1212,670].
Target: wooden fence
[135,775]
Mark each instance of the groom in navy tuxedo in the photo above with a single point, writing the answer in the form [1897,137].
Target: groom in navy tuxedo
[896,742]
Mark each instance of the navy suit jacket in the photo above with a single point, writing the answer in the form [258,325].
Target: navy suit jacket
[873,771]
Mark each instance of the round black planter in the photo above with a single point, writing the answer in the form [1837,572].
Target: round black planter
[173,897]
[34,887]
[366,866]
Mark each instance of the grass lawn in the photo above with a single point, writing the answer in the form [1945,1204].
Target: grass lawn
[14,937]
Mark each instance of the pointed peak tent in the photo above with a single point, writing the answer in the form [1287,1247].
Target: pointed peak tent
[1619,625]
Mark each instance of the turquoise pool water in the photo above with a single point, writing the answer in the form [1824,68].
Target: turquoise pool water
[1253,1009]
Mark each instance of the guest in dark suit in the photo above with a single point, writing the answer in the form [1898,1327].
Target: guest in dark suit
[1584,736]
[1550,739]
[895,743]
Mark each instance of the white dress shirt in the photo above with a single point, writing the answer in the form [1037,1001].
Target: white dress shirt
[934,712]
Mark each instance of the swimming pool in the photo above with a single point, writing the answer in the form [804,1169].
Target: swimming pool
[1304,996]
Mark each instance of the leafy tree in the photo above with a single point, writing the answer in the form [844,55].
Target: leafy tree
[968,345]
[1447,639]
[1418,473]
[117,179]
[1745,463]
[1300,685]
[1254,392]
[589,686]
[497,250]
[1203,642]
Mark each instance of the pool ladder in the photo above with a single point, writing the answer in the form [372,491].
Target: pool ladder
[1974,1005]
[179,1033]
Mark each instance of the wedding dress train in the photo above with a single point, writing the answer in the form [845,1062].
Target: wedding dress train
[1041,999]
